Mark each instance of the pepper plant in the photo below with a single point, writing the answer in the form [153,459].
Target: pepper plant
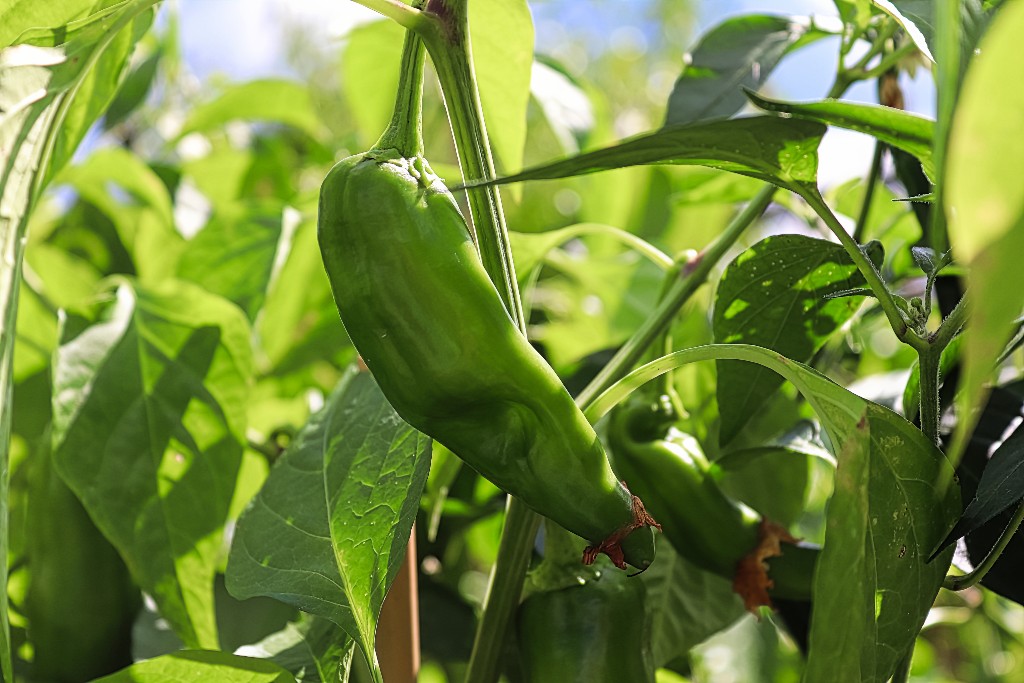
[580,335]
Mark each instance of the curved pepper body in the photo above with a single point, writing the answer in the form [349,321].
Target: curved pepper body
[591,633]
[432,329]
[667,469]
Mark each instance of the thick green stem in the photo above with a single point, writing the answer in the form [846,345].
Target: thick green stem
[928,367]
[959,583]
[448,44]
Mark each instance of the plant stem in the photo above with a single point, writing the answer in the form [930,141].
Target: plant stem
[633,350]
[869,193]
[405,130]
[867,269]
[928,367]
[448,44]
[506,585]
[959,583]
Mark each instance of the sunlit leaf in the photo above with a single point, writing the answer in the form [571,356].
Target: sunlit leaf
[269,100]
[149,425]
[775,295]
[779,151]
[984,203]
[327,533]
[501,33]
[313,649]
[200,665]
[739,53]
[909,132]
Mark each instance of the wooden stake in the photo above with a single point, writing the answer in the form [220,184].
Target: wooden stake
[398,630]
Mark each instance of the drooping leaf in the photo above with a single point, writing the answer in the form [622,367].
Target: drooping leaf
[501,34]
[239,253]
[328,531]
[313,650]
[41,121]
[200,665]
[984,204]
[775,295]
[910,132]
[149,425]
[779,151]
[271,100]
[739,53]
[886,513]
[687,604]
[134,90]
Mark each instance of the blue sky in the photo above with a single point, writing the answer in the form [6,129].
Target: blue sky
[242,39]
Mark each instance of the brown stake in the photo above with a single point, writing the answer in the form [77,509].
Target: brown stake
[398,630]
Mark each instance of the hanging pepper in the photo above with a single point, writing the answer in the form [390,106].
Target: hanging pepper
[590,633]
[667,468]
[431,327]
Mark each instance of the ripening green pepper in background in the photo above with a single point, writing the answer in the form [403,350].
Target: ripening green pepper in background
[592,633]
[667,469]
[431,327]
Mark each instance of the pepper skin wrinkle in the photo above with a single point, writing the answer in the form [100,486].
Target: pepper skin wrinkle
[431,327]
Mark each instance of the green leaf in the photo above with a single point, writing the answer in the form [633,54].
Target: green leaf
[240,252]
[369,76]
[775,295]
[273,100]
[137,202]
[501,34]
[312,649]
[133,90]
[739,53]
[984,203]
[200,665]
[18,16]
[40,116]
[886,515]
[779,151]
[687,604]
[328,531]
[909,132]
[149,426]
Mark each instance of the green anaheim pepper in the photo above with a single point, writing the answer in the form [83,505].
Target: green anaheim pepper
[431,327]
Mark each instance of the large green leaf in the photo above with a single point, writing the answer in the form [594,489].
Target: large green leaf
[775,295]
[41,121]
[739,53]
[313,649]
[984,202]
[779,151]
[909,132]
[149,426]
[328,531]
[200,665]
[892,505]
[687,604]
[501,33]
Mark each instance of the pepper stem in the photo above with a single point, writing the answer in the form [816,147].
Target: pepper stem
[405,131]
